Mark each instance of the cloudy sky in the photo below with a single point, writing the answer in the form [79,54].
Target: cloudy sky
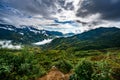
[61,15]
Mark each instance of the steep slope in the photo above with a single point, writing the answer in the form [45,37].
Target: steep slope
[25,34]
[94,39]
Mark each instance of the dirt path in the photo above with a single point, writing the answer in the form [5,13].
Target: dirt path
[55,74]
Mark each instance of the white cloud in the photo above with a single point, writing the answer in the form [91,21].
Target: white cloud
[43,13]
[8,44]
[45,41]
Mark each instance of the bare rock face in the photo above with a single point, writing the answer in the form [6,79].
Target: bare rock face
[54,74]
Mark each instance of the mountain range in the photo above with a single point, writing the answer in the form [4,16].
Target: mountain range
[25,34]
[98,38]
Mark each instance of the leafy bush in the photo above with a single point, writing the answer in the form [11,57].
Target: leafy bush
[22,66]
[64,66]
[86,70]
[102,71]
[83,71]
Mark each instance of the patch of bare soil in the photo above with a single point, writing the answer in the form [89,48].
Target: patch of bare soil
[55,74]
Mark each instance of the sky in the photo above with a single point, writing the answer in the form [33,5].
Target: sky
[66,16]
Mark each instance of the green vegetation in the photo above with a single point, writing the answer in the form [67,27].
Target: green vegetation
[63,65]
[92,55]
[20,65]
[102,71]
[87,70]
[100,38]
[32,62]
[83,71]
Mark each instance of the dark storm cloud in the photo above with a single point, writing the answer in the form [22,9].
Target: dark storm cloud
[39,7]
[109,9]
[33,7]
[66,6]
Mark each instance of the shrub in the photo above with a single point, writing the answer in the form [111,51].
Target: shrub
[102,71]
[64,66]
[86,70]
[22,66]
[83,71]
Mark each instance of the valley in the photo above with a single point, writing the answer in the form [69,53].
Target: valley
[85,56]
[59,39]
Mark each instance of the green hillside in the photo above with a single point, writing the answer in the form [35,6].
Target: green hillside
[99,38]
[92,55]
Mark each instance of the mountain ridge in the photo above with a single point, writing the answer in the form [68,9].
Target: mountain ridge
[93,39]
[25,34]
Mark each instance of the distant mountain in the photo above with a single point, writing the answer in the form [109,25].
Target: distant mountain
[25,34]
[94,39]
[68,34]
